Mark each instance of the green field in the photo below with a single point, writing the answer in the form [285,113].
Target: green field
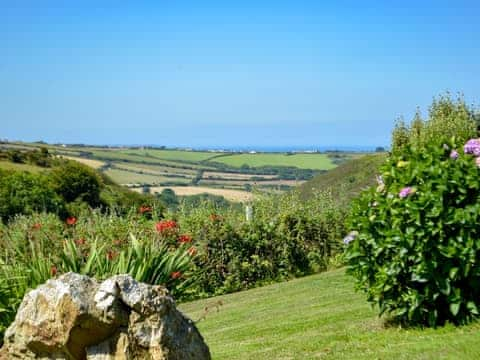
[128,177]
[154,169]
[178,155]
[301,161]
[7,165]
[319,316]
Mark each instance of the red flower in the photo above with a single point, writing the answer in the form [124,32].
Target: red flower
[144,209]
[166,225]
[111,255]
[37,226]
[183,239]
[80,241]
[215,217]
[53,270]
[71,220]
[192,251]
[175,275]
[117,242]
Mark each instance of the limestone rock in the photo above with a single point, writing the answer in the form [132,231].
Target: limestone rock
[75,317]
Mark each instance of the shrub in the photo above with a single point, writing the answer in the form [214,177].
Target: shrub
[25,193]
[447,118]
[76,182]
[414,248]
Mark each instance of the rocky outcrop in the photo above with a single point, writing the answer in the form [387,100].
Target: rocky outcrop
[75,317]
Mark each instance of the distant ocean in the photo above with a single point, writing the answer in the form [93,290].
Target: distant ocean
[282,149]
[263,148]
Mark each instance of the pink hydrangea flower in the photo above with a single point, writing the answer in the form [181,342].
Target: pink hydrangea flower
[472,147]
[454,155]
[405,192]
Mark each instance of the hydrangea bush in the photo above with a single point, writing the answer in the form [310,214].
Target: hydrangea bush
[414,247]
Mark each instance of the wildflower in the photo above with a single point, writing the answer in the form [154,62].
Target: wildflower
[192,251]
[53,270]
[37,226]
[175,275]
[454,155]
[215,217]
[405,192]
[144,209]
[111,255]
[117,242]
[183,239]
[472,147]
[71,220]
[445,147]
[165,226]
[375,204]
[352,235]
[80,241]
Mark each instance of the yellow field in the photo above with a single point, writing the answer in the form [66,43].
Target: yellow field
[96,164]
[232,195]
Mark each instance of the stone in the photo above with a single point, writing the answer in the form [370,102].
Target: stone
[76,317]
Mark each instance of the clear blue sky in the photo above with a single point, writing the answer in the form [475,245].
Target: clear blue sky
[200,73]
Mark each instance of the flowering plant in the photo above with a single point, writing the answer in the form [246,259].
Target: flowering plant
[414,251]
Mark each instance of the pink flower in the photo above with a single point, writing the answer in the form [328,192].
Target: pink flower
[472,147]
[405,192]
[454,155]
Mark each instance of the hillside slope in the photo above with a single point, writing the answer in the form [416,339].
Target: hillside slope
[319,316]
[347,180]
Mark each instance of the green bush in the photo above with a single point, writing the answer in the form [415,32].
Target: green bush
[447,118]
[25,193]
[415,244]
[76,182]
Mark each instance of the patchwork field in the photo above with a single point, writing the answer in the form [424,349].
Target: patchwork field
[318,317]
[219,171]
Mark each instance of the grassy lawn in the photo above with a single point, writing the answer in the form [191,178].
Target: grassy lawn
[301,161]
[319,316]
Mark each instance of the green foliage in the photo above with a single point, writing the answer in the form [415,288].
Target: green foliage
[447,118]
[38,247]
[25,193]
[344,182]
[417,246]
[287,237]
[74,181]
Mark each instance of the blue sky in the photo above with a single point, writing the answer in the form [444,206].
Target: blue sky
[205,73]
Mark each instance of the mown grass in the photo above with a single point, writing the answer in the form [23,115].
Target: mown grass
[301,161]
[319,317]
